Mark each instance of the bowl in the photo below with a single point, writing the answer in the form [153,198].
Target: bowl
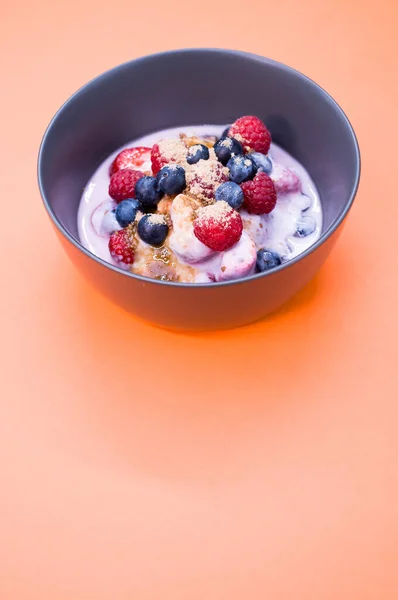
[195,87]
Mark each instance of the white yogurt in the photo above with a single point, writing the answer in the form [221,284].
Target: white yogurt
[275,231]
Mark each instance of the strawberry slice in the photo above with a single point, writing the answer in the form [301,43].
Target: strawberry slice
[132,158]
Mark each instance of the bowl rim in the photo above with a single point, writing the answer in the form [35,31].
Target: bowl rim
[222,51]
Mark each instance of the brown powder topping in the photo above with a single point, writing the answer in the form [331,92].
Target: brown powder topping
[204,177]
[156,219]
[219,211]
[239,138]
[132,233]
[138,218]
[243,160]
[227,143]
[193,149]
[212,155]
[173,150]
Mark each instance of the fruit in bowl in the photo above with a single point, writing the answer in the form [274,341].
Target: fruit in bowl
[217,199]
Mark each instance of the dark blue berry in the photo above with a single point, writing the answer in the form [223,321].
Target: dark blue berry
[196,153]
[266,260]
[262,162]
[147,192]
[230,192]
[241,168]
[225,132]
[126,211]
[226,147]
[171,179]
[153,229]
[305,226]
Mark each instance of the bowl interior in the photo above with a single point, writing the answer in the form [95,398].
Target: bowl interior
[195,87]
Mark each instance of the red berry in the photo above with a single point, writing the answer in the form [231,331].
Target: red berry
[286,181]
[158,161]
[251,133]
[122,185]
[218,226]
[260,194]
[131,158]
[167,151]
[121,247]
[204,177]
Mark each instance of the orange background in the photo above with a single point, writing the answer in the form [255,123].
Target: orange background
[249,464]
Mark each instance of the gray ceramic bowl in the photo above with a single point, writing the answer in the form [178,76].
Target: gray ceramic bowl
[195,87]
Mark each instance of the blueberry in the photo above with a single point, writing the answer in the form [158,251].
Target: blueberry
[305,226]
[171,179]
[126,211]
[231,193]
[267,259]
[262,162]
[225,132]
[146,191]
[196,153]
[153,229]
[241,168]
[226,147]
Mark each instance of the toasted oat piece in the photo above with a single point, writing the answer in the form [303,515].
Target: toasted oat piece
[208,140]
[165,205]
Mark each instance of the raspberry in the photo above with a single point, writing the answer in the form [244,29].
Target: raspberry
[251,133]
[121,247]
[204,177]
[260,194]
[122,185]
[131,158]
[286,181]
[218,226]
